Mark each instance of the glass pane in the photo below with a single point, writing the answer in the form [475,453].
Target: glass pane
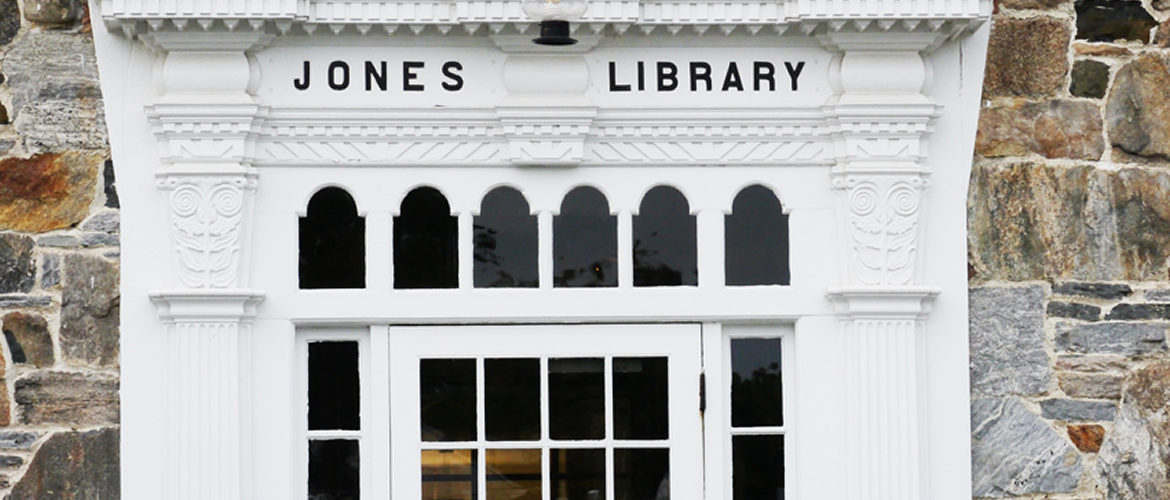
[576,394]
[512,399]
[757,467]
[756,391]
[333,470]
[584,241]
[505,241]
[425,242]
[334,400]
[640,398]
[577,474]
[641,474]
[332,242]
[664,240]
[449,475]
[447,398]
[513,474]
[756,239]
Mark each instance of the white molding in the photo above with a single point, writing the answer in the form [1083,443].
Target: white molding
[208,214]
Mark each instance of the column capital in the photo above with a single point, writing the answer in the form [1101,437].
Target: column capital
[883,302]
[224,305]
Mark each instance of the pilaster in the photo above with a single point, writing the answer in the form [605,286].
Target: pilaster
[880,121]
[206,122]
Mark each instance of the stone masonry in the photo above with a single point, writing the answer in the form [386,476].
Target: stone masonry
[1069,236]
[59,231]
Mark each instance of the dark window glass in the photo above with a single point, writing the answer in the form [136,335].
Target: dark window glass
[505,241]
[333,469]
[447,394]
[513,474]
[756,392]
[584,241]
[425,242]
[664,240]
[576,398]
[640,398]
[332,242]
[333,386]
[757,467]
[642,474]
[756,239]
[577,474]
[449,474]
[512,399]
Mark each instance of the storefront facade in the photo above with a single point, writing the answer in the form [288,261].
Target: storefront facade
[397,248]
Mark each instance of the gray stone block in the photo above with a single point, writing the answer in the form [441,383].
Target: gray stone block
[1073,310]
[18,440]
[89,311]
[17,267]
[1014,452]
[1077,410]
[1135,455]
[1111,337]
[1112,291]
[65,398]
[25,301]
[50,270]
[1007,341]
[74,465]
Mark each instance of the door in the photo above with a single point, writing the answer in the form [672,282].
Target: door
[542,412]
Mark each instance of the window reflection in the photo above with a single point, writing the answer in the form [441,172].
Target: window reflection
[584,241]
[505,241]
[664,240]
[756,239]
[332,242]
[425,242]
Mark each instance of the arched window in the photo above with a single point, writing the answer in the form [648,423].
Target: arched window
[425,242]
[505,241]
[332,242]
[756,239]
[584,241]
[664,240]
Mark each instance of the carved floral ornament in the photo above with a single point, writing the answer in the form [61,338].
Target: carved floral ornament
[207,214]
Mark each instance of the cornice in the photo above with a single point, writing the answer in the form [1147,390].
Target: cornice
[495,17]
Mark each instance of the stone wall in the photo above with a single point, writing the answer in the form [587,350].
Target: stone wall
[58,260]
[1069,235]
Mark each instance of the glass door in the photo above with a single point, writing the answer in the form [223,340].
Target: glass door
[535,412]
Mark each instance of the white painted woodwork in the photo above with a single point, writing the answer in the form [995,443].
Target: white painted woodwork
[217,154]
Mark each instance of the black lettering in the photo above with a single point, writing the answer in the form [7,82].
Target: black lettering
[456,80]
[334,83]
[641,75]
[765,71]
[794,73]
[302,83]
[373,74]
[667,76]
[700,71]
[409,76]
[732,78]
[614,86]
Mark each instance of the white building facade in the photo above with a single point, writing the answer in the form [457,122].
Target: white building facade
[394,249]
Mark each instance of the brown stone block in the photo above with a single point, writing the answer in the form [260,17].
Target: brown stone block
[72,399]
[1031,221]
[1134,458]
[54,12]
[1038,71]
[1100,49]
[28,339]
[1030,4]
[47,191]
[1138,112]
[74,465]
[1053,129]
[1087,438]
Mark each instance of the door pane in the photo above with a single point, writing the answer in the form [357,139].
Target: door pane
[448,474]
[756,393]
[576,392]
[577,474]
[447,394]
[641,474]
[758,467]
[333,469]
[513,474]
[512,399]
[640,398]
